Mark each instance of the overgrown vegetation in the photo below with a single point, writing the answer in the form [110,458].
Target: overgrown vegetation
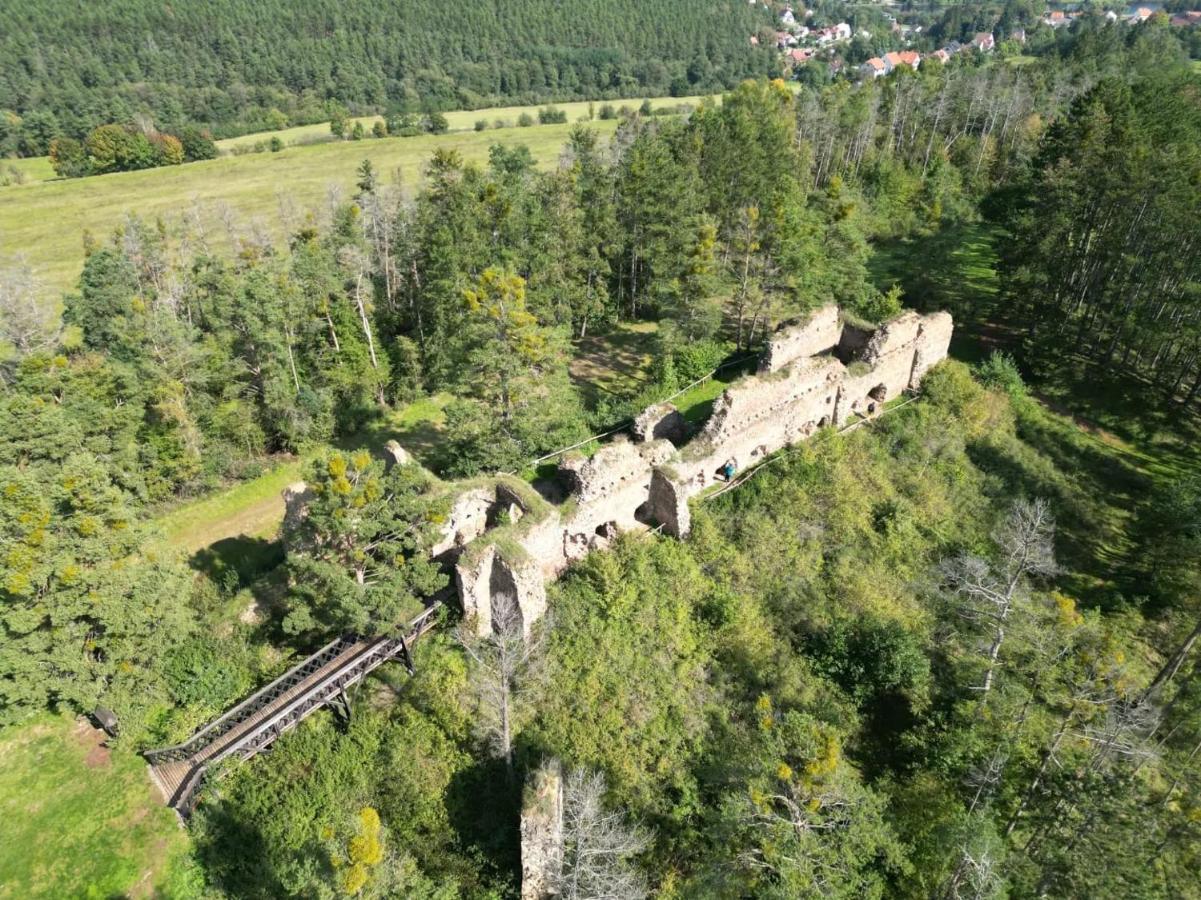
[950,654]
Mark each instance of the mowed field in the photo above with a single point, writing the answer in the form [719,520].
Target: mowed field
[44,222]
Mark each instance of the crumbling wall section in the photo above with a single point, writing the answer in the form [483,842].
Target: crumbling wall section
[933,344]
[759,415]
[542,834]
[660,422]
[504,540]
[667,503]
[817,333]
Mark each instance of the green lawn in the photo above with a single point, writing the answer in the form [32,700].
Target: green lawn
[955,269]
[252,509]
[245,518]
[615,360]
[78,820]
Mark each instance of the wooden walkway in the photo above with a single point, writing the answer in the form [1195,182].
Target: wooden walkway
[254,724]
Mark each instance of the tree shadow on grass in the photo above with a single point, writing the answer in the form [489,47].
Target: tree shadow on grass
[238,561]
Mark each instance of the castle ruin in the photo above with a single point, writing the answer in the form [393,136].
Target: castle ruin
[503,538]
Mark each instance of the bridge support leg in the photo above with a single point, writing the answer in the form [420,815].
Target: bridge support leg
[340,704]
[405,656]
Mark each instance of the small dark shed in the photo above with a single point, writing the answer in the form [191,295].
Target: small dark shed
[107,719]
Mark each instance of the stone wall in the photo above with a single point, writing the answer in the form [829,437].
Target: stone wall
[818,332]
[542,834]
[815,374]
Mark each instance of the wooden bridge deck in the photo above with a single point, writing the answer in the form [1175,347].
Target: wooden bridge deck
[255,723]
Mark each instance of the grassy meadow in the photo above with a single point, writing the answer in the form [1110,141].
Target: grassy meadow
[80,820]
[44,221]
[459,120]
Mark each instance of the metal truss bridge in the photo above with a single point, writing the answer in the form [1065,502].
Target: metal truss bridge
[253,725]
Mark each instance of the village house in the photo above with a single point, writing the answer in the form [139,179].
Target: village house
[984,42]
[785,40]
[1019,35]
[942,56]
[910,58]
[874,68]
[839,32]
[1142,14]
[787,18]
[1186,19]
[1055,19]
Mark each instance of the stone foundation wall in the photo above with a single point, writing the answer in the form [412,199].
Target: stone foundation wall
[542,834]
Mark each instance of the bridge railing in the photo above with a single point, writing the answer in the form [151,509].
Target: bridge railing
[290,714]
[222,725]
[295,709]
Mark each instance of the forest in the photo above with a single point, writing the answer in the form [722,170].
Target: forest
[952,654]
[235,67]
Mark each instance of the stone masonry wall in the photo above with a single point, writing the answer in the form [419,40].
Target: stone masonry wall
[803,386]
[819,332]
[815,374]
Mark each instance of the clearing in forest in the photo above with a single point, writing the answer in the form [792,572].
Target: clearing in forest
[80,820]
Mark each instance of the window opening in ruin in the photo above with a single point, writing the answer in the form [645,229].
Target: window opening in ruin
[879,393]
[502,587]
[823,421]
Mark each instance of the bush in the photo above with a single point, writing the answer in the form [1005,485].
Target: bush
[525,120]
[379,130]
[872,659]
[501,123]
[697,359]
[435,123]
[275,144]
[549,115]
[1000,373]
[358,132]
[608,112]
[68,158]
[197,144]
[481,124]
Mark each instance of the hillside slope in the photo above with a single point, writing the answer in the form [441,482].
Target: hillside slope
[228,64]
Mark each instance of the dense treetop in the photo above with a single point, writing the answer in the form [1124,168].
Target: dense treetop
[229,64]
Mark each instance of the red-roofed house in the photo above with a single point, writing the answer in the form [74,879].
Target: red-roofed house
[874,67]
[984,42]
[942,56]
[796,57]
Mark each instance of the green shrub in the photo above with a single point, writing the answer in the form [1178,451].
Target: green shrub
[1000,372]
